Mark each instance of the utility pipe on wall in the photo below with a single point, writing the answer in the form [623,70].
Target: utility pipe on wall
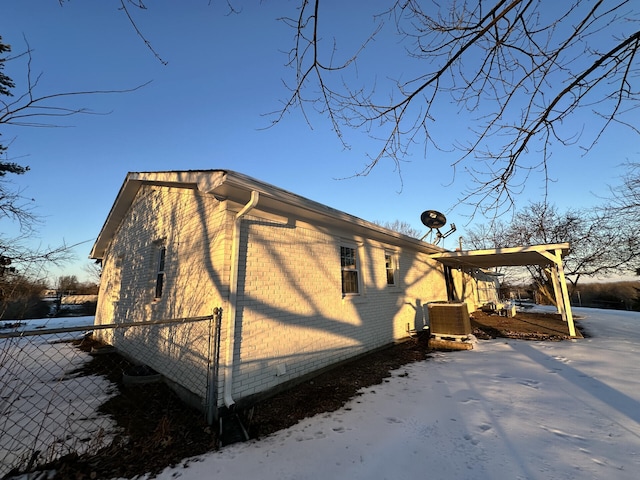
[233,299]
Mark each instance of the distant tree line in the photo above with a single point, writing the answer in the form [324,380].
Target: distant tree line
[613,295]
[623,295]
[70,285]
[22,296]
[400,226]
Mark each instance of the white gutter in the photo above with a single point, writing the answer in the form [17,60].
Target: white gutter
[233,298]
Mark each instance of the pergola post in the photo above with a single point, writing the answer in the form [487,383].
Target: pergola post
[562,299]
[565,294]
[557,290]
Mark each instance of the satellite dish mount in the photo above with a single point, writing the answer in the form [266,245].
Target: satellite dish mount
[435,220]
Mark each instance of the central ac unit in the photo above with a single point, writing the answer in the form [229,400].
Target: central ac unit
[449,319]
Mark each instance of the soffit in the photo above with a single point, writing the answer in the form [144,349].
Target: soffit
[238,187]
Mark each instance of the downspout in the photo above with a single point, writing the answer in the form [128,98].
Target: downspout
[233,299]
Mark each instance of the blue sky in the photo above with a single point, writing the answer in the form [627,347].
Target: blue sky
[206,109]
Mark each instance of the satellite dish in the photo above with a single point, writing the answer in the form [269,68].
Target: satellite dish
[433,219]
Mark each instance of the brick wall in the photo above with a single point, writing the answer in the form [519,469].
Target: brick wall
[295,318]
[191,226]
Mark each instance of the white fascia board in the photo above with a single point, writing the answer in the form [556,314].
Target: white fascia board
[238,187]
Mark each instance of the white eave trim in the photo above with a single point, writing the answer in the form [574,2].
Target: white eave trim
[227,184]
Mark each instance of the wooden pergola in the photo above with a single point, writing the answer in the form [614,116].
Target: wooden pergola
[547,256]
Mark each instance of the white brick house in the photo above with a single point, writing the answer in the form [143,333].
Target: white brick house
[302,286]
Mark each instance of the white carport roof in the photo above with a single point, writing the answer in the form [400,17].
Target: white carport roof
[504,257]
[548,255]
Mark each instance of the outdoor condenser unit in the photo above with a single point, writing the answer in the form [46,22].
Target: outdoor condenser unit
[449,319]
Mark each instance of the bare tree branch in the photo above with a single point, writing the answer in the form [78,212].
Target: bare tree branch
[33,110]
[526,78]
[29,105]
[525,72]
[140,5]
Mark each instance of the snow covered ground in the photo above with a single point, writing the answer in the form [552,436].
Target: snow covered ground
[48,324]
[509,409]
[44,406]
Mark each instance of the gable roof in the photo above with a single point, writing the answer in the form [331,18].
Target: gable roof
[237,187]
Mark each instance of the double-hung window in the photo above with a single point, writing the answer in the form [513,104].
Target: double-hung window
[349,266]
[390,266]
[162,253]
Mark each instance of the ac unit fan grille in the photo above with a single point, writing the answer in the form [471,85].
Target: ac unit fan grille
[449,319]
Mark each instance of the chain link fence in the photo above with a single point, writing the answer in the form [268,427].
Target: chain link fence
[92,396]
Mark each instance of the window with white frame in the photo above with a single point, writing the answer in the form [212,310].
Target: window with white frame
[162,254]
[349,266]
[390,265]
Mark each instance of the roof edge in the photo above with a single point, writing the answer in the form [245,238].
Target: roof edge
[238,187]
